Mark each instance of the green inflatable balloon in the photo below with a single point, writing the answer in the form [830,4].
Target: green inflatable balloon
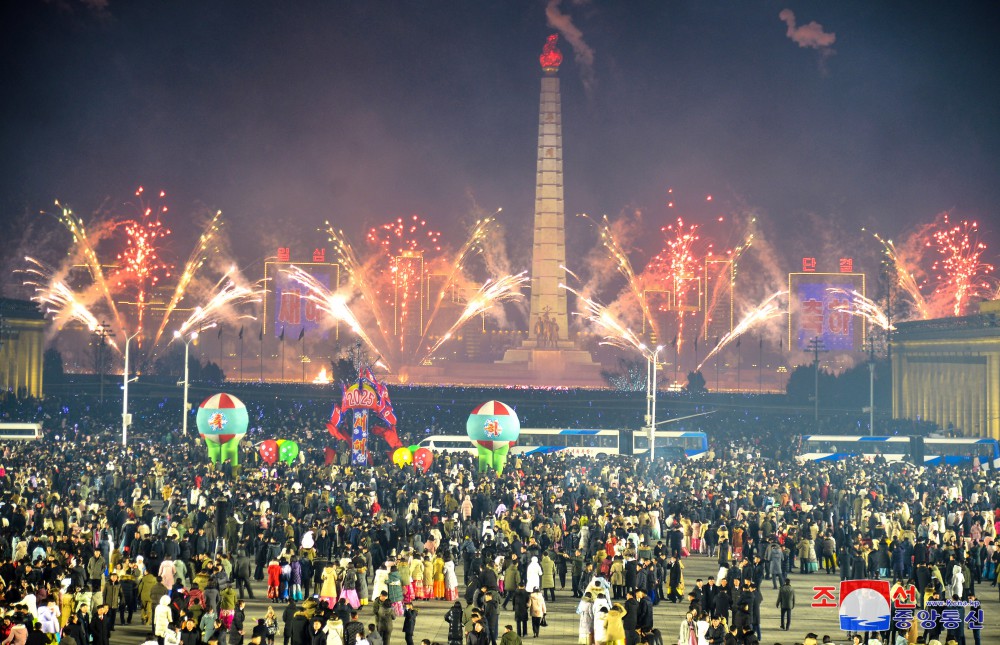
[493,428]
[288,451]
[413,448]
[222,422]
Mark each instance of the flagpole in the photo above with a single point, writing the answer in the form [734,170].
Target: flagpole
[302,348]
[760,366]
[282,339]
[241,354]
[739,360]
[261,337]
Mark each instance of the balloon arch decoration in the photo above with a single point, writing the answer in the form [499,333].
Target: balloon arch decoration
[364,408]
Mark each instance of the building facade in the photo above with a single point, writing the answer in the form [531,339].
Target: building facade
[947,371]
[22,346]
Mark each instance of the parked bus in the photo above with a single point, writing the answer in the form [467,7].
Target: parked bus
[539,441]
[20,431]
[831,447]
[694,444]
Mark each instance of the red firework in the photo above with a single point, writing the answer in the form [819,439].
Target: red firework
[404,242]
[677,268]
[961,272]
[140,266]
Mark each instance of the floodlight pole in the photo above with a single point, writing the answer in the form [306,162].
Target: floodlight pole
[126,419]
[651,365]
[187,380]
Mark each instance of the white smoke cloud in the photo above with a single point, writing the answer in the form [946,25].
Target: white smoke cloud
[583,54]
[810,36]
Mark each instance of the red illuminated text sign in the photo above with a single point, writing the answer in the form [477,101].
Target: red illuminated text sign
[291,310]
[847,265]
[809,265]
[284,254]
[824,596]
[319,255]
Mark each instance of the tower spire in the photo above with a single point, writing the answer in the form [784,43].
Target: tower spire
[548,258]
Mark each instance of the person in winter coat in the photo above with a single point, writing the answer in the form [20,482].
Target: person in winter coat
[384,616]
[456,632]
[48,617]
[786,602]
[614,627]
[273,579]
[162,616]
[617,575]
[585,609]
[334,631]
[533,577]
[190,634]
[548,576]
[537,610]
[450,580]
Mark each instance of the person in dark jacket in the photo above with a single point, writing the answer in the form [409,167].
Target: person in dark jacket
[190,634]
[236,627]
[454,620]
[409,622]
[353,627]
[299,628]
[74,628]
[316,634]
[521,598]
[286,620]
[786,602]
[99,632]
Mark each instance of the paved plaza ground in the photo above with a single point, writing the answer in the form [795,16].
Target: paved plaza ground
[563,620]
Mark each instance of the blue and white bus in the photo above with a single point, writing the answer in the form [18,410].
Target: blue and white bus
[937,450]
[693,443]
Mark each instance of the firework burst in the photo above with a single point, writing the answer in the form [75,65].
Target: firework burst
[75,225]
[904,276]
[614,332]
[766,310]
[612,245]
[194,264]
[676,268]
[226,297]
[140,267]
[61,302]
[490,294]
[334,304]
[961,272]
[859,305]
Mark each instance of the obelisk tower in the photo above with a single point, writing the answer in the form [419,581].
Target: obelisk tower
[549,326]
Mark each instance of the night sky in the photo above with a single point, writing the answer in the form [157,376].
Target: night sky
[285,114]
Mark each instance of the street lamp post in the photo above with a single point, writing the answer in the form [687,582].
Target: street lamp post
[126,417]
[652,358]
[187,342]
[871,387]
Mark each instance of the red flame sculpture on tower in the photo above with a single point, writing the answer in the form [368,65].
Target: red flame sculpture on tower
[551,57]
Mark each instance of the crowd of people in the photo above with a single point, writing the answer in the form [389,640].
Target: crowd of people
[94,536]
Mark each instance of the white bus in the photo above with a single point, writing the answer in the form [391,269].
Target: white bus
[534,441]
[20,431]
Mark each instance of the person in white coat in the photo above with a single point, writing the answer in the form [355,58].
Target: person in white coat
[957,584]
[162,616]
[533,580]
